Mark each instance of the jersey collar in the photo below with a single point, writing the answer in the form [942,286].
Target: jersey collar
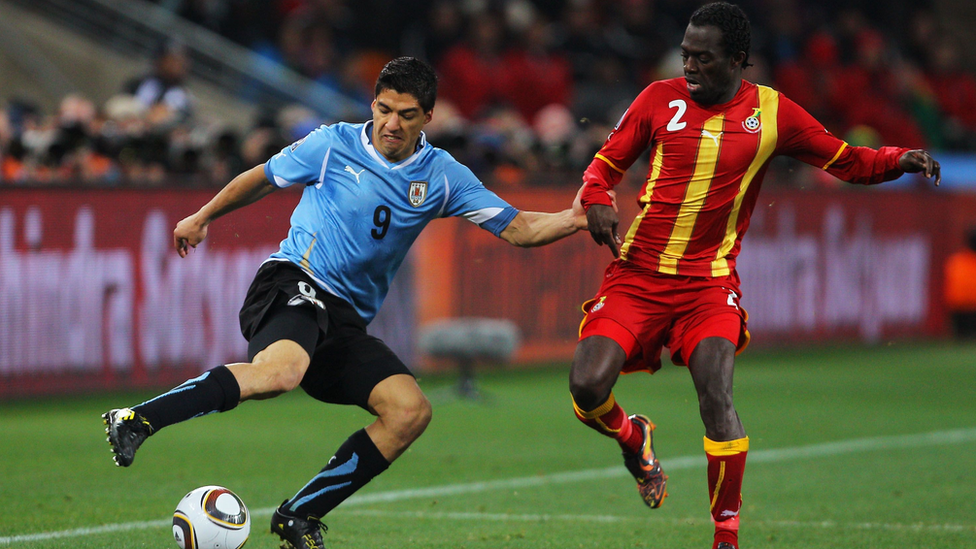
[366,138]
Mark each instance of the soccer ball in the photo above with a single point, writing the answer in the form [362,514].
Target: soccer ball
[211,517]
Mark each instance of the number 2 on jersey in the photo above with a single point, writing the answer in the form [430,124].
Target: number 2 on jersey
[381,218]
[674,125]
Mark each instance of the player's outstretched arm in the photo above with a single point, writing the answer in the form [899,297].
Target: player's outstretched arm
[805,139]
[530,229]
[921,161]
[246,188]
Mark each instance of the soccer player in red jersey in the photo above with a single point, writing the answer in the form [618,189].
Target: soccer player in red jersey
[673,282]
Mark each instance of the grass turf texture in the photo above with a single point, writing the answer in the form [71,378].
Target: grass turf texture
[57,474]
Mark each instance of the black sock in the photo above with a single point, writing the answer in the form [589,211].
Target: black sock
[354,464]
[214,391]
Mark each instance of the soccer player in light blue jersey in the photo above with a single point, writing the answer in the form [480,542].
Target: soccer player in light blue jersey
[370,189]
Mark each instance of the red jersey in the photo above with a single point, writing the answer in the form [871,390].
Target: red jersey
[707,165]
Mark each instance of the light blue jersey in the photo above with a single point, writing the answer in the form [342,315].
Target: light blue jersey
[359,213]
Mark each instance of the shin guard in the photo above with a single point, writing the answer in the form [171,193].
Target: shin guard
[610,420]
[726,465]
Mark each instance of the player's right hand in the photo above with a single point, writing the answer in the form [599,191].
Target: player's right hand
[921,161]
[602,223]
[188,233]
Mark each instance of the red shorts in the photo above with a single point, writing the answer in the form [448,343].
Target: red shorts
[645,311]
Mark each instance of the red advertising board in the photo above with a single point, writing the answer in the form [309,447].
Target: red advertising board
[850,264]
[93,296]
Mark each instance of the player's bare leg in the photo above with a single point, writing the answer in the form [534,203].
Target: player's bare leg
[596,367]
[726,445]
[712,365]
[277,369]
[402,414]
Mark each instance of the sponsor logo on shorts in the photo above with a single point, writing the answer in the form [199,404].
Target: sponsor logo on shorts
[599,305]
[307,296]
[733,298]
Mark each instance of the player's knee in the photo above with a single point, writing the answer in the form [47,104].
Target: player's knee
[408,416]
[288,378]
[277,369]
[584,396]
[596,365]
[282,376]
[588,389]
[422,416]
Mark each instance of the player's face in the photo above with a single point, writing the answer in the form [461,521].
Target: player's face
[712,75]
[397,121]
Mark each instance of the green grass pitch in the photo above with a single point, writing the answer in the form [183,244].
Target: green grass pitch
[850,448]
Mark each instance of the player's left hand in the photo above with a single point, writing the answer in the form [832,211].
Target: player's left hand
[579,213]
[917,160]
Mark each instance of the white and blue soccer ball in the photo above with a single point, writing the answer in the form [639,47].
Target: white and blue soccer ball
[211,517]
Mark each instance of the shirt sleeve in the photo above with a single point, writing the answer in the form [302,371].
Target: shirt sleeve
[468,198]
[805,139]
[629,138]
[302,162]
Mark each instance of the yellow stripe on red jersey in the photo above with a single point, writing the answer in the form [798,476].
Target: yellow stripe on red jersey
[769,104]
[707,168]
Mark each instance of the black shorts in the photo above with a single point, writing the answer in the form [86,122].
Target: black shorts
[283,302]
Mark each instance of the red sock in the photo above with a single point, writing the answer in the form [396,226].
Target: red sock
[611,420]
[726,465]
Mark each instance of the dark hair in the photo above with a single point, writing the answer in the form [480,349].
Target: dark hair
[732,21]
[410,75]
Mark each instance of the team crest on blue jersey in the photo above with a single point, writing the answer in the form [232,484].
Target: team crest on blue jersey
[417,193]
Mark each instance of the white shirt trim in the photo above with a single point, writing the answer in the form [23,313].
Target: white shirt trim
[364,138]
[482,215]
[325,164]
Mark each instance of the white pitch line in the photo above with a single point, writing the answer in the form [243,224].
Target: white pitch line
[77,532]
[529,517]
[956,436]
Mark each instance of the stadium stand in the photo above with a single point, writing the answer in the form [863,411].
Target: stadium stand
[529,88]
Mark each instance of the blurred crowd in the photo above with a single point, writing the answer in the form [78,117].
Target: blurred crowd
[528,89]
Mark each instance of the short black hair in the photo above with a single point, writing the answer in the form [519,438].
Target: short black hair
[410,75]
[732,21]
